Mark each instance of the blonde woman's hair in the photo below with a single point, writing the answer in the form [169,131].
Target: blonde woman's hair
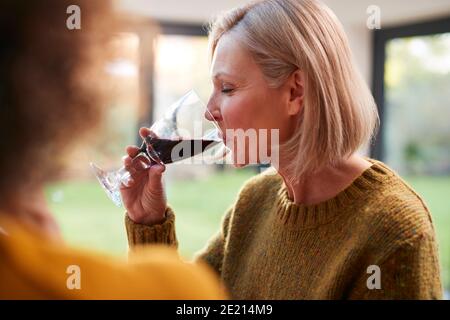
[339,114]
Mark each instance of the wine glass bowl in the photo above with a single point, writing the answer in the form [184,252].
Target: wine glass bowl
[183,132]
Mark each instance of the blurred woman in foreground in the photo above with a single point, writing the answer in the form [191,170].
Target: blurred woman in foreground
[49,98]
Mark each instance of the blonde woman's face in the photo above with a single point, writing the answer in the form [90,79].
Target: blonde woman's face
[242,100]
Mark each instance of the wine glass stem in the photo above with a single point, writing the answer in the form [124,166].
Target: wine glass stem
[123,175]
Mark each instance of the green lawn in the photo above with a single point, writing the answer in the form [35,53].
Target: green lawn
[88,218]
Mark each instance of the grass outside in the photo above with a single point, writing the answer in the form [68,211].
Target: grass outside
[89,219]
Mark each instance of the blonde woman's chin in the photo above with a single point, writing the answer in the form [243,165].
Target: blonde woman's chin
[241,161]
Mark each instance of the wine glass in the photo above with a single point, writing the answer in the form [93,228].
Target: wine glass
[183,132]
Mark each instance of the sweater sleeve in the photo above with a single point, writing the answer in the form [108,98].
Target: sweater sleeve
[214,251]
[164,233]
[410,272]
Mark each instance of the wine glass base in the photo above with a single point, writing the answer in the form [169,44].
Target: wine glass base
[108,183]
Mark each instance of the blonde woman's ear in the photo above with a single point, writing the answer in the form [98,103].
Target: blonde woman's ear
[297,90]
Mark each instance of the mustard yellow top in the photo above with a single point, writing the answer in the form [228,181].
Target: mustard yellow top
[35,267]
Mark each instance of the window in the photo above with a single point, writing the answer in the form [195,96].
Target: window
[412,89]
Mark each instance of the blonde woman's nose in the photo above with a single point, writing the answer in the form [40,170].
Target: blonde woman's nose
[212,113]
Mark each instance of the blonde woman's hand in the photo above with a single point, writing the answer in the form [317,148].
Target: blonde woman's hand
[144,197]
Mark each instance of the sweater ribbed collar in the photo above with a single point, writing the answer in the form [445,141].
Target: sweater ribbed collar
[309,216]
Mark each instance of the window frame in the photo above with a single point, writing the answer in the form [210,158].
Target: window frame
[380,39]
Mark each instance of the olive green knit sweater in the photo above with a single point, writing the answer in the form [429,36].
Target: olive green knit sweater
[374,240]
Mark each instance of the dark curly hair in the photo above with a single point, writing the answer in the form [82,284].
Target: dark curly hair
[50,85]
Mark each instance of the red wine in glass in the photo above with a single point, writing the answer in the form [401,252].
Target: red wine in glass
[168,151]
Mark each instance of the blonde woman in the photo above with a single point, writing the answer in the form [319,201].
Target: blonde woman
[329,224]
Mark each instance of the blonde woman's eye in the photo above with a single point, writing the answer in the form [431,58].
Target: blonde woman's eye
[227,90]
